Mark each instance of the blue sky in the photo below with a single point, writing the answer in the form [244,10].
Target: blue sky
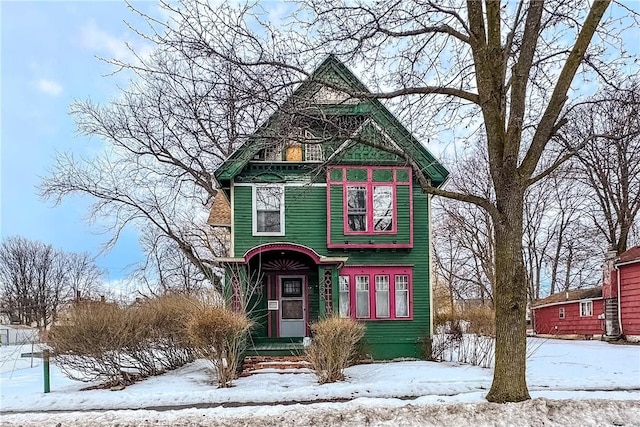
[49,59]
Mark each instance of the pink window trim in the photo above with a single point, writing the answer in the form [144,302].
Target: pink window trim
[369,184]
[372,272]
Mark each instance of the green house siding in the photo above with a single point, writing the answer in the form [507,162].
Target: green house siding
[388,339]
[305,218]
[305,223]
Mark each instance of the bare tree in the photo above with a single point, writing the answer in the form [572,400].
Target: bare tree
[609,165]
[162,138]
[36,279]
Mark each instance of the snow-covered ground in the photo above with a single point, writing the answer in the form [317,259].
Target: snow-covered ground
[589,382]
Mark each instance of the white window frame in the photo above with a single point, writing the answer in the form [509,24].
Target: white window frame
[313,152]
[561,313]
[586,308]
[254,210]
[344,296]
[382,296]
[363,286]
[401,288]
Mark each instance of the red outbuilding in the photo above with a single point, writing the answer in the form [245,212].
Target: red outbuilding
[611,310]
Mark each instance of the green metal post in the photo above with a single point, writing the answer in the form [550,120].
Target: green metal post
[45,366]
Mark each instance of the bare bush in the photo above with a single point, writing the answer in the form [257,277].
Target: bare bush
[333,347]
[220,335]
[119,345]
[89,346]
[167,345]
[465,337]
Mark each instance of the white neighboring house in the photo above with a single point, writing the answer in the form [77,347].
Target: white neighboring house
[17,334]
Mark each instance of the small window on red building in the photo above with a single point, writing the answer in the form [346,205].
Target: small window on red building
[561,312]
[586,308]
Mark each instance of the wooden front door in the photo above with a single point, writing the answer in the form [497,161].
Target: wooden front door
[293,306]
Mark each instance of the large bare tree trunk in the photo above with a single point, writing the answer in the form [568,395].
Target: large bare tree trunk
[510,301]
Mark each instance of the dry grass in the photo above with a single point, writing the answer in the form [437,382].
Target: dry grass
[220,335]
[333,347]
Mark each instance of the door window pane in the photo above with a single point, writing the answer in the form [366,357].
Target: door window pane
[292,288]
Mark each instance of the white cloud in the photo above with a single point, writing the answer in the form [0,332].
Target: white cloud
[49,87]
[96,39]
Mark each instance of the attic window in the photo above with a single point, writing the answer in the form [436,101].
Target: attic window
[329,95]
[295,149]
[273,153]
[313,153]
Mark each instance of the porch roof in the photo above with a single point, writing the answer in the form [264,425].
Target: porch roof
[282,246]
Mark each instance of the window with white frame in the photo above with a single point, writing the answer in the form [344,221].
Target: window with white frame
[586,308]
[561,313]
[382,296]
[362,297]
[402,295]
[313,153]
[268,210]
[343,299]
[376,292]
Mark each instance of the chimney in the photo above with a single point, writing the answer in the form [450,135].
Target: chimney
[609,278]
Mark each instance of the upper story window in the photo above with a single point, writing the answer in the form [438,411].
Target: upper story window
[369,207]
[268,210]
[301,146]
[356,208]
[561,313]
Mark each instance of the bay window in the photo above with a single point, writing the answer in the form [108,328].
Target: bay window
[375,292]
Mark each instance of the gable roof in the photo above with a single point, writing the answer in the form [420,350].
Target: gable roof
[220,214]
[334,73]
[629,255]
[570,296]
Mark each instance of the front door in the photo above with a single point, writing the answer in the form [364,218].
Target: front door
[293,307]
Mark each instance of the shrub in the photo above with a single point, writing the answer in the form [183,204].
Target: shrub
[333,347]
[89,347]
[118,345]
[165,318]
[220,335]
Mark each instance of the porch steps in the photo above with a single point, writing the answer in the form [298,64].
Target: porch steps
[274,364]
[275,349]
